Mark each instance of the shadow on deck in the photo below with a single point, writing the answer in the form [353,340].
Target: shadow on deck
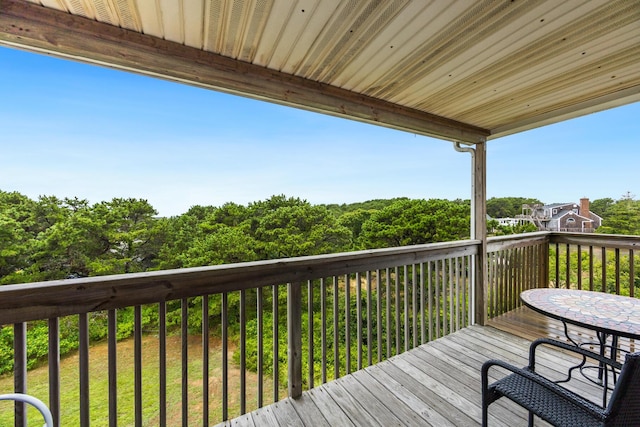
[436,384]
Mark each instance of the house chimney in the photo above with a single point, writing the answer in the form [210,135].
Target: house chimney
[584,209]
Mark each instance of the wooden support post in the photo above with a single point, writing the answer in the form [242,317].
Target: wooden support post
[294,320]
[479,229]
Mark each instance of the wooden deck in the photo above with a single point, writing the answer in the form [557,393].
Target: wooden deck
[436,384]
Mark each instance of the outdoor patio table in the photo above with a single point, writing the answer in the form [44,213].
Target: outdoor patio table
[608,315]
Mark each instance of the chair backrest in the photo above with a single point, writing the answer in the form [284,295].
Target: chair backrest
[624,405]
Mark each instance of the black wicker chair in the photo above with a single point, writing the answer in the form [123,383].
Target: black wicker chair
[558,405]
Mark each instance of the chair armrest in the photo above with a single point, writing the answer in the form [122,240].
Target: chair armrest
[547,384]
[37,403]
[569,347]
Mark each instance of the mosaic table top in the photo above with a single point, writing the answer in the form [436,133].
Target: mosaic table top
[612,314]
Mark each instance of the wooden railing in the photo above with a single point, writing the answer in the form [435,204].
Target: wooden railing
[597,262]
[515,263]
[268,329]
[289,324]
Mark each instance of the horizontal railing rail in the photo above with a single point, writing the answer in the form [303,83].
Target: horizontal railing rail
[263,328]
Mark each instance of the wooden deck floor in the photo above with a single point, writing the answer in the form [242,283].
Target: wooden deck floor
[436,384]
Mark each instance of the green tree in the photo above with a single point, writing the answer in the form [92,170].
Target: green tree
[410,222]
[130,236]
[16,234]
[508,207]
[299,229]
[220,245]
[623,217]
[68,245]
[353,220]
[600,207]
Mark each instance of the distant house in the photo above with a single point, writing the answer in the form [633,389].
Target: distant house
[509,222]
[562,217]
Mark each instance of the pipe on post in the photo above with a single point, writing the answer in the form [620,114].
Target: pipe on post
[478,225]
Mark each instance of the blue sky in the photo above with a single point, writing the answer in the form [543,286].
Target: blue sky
[75,130]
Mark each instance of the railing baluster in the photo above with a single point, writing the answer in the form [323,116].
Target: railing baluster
[310,335]
[579,267]
[506,266]
[184,339]
[379,314]
[243,351]
[423,327]
[557,265]
[491,285]
[336,334]
[224,326]
[521,263]
[54,369]
[112,339]
[437,299]
[275,344]
[451,295]
[205,360]
[414,294]
[323,321]
[347,322]
[604,269]
[443,307]
[20,371]
[467,289]
[369,330]
[405,288]
[387,280]
[260,339]
[359,320]
[591,279]
[430,300]
[456,263]
[567,262]
[137,363]
[162,362]
[632,275]
[617,264]
[397,307]
[510,279]
[83,362]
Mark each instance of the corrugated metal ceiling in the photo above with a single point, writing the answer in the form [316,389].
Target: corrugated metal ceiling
[502,66]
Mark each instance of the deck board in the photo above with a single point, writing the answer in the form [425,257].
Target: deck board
[435,384]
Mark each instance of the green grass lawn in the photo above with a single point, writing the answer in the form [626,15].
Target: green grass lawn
[99,403]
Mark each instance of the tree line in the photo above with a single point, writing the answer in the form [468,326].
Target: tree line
[52,238]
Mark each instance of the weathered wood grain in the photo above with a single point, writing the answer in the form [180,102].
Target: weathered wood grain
[436,384]
[57,298]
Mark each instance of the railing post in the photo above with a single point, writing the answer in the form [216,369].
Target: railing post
[294,320]
[20,371]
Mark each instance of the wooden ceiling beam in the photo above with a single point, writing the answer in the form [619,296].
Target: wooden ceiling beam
[32,27]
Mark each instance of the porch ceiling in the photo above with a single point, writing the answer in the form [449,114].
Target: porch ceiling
[458,70]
